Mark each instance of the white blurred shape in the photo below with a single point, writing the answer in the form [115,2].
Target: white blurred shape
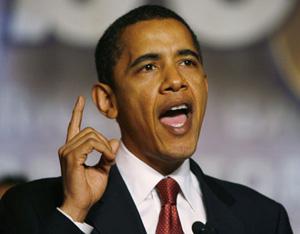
[79,23]
[227,24]
[31,21]
[84,23]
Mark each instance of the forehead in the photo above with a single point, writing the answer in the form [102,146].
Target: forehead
[156,35]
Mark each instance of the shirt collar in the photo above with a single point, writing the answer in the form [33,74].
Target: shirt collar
[141,179]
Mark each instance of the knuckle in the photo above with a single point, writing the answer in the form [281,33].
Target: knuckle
[93,135]
[91,141]
[61,151]
[89,129]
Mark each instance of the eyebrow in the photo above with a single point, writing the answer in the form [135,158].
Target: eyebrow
[186,52]
[145,57]
[155,56]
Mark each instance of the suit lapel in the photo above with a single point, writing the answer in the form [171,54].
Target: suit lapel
[218,204]
[116,211]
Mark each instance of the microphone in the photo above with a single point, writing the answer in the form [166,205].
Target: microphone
[201,228]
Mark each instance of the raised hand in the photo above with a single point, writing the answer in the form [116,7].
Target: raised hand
[84,185]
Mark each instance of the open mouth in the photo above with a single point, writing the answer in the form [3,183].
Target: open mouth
[176,118]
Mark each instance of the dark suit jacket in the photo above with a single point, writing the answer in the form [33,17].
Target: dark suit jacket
[230,208]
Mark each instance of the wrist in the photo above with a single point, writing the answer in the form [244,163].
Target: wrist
[77,214]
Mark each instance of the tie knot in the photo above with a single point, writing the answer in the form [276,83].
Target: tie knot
[168,190]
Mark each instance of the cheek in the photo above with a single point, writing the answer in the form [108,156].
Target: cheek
[199,92]
[136,105]
[194,76]
[197,84]
[142,92]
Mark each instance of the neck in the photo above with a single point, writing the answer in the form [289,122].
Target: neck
[165,165]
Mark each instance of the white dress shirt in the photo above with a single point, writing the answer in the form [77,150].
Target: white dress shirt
[141,180]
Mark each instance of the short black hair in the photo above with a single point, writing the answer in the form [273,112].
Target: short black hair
[108,49]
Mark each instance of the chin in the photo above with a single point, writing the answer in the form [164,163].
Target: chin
[180,151]
[179,146]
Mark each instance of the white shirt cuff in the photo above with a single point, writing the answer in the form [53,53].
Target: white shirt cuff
[84,227]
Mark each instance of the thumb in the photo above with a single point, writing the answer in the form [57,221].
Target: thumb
[114,144]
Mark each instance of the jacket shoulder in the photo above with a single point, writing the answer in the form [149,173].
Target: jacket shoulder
[246,202]
[237,192]
[230,192]
[40,196]
[257,212]
[31,208]
[36,190]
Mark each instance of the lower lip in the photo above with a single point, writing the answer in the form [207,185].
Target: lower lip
[180,130]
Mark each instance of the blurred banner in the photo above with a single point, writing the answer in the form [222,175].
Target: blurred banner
[220,23]
[251,50]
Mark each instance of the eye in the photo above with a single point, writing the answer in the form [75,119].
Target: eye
[188,62]
[148,67]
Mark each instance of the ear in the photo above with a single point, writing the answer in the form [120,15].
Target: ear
[105,100]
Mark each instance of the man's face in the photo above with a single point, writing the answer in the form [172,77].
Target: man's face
[161,92]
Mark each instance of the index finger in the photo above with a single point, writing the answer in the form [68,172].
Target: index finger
[75,122]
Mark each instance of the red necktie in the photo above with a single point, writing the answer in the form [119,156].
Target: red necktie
[169,222]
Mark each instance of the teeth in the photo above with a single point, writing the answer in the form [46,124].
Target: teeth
[179,107]
[177,125]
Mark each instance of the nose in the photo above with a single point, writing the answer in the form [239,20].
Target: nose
[173,81]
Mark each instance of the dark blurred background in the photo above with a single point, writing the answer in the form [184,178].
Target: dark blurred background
[251,48]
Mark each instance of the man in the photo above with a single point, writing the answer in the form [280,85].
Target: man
[151,80]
